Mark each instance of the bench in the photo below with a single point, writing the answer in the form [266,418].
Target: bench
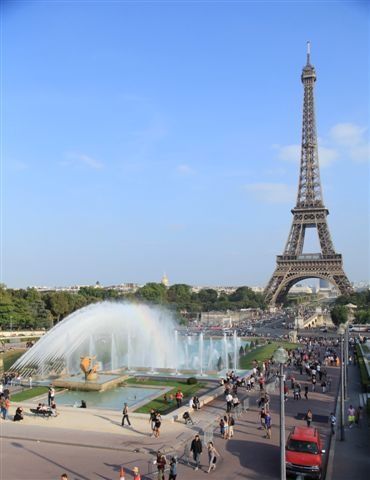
[41,413]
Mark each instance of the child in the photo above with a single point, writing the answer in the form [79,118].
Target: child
[173,469]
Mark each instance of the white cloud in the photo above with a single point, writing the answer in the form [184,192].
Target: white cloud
[74,158]
[272,192]
[360,153]
[327,156]
[289,153]
[185,169]
[347,134]
[353,139]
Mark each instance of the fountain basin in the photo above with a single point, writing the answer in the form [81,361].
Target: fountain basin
[113,399]
[100,384]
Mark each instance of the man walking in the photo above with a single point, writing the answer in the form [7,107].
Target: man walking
[229,402]
[333,422]
[196,448]
[125,415]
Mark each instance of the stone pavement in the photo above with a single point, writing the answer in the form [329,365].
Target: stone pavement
[351,457]
[92,444]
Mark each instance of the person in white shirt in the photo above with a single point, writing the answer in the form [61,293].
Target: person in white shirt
[229,402]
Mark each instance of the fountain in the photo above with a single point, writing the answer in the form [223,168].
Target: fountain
[201,347]
[226,351]
[123,337]
[236,352]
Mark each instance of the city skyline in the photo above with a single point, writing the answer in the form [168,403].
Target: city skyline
[132,148]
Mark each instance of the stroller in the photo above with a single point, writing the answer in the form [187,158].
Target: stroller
[186,416]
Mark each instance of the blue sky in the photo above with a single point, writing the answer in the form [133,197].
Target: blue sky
[148,137]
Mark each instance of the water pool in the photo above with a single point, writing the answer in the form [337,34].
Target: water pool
[109,399]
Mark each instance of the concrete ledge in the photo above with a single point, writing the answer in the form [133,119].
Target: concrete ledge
[203,400]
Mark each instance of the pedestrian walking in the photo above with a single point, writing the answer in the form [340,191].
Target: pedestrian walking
[268,425]
[306,392]
[262,416]
[333,422]
[226,423]
[313,383]
[152,417]
[222,427]
[212,457]
[161,464]
[173,469]
[196,448]
[231,423]
[351,416]
[323,385]
[4,407]
[309,417]
[229,402]
[157,425]
[125,415]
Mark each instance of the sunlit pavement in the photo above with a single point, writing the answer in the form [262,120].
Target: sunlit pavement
[38,449]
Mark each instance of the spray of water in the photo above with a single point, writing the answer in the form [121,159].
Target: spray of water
[123,335]
[118,334]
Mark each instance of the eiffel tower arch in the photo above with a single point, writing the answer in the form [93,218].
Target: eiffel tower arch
[309,212]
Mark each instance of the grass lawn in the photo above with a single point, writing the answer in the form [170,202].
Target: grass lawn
[29,393]
[263,353]
[10,356]
[158,403]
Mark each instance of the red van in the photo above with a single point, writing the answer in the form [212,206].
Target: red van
[303,453]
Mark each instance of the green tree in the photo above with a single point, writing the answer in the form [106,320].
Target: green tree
[179,293]
[59,303]
[152,292]
[207,297]
[339,314]
[6,308]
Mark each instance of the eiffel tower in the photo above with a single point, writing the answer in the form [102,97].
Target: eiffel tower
[309,212]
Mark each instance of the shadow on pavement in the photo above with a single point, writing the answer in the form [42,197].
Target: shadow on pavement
[262,458]
[59,465]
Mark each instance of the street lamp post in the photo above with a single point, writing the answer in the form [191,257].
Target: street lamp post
[342,369]
[345,369]
[281,356]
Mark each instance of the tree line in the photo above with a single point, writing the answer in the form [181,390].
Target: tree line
[29,308]
[339,312]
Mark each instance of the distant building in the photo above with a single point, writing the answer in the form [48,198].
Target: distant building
[299,289]
[165,280]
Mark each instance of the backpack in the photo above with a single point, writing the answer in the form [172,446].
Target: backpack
[232,421]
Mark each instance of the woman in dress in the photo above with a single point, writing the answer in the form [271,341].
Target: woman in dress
[212,457]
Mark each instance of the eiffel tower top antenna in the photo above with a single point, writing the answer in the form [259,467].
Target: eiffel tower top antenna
[308,52]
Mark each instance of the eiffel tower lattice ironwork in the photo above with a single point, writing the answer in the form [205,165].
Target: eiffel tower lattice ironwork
[309,212]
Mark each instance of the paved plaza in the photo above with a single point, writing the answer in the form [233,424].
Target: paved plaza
[91,444]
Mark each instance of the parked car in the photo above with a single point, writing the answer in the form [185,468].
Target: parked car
[304,453]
